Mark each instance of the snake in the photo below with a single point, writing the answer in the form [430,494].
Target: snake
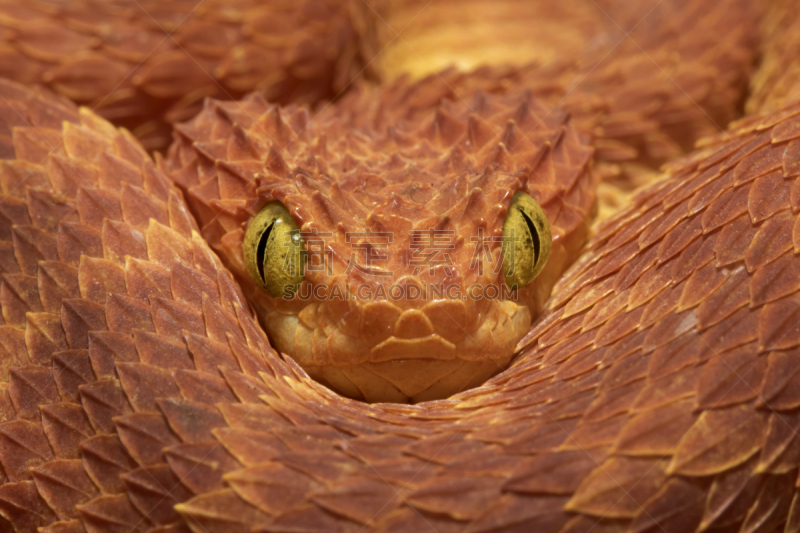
[174,358]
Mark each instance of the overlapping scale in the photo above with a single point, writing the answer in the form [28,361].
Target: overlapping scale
[146,65]
[684,422]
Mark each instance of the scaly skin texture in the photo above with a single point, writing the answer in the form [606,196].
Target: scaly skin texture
[655,392]
[410,156]
[658,378]
[145,64]
[452,170]
[647,79]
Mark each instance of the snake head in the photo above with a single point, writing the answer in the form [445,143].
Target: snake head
[395,255]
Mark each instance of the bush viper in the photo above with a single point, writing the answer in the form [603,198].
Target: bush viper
[653,384]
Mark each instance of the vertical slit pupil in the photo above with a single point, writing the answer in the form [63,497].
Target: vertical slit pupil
[261,250]
[534,236]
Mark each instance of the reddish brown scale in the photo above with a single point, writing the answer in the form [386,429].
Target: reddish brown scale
[65,440]
[146,65]
[190,426]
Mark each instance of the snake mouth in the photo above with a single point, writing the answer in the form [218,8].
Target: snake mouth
[404,357]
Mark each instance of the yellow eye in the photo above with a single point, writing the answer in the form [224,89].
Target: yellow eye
[274,251]
[527,241]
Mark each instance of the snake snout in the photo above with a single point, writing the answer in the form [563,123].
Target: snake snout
[402,350]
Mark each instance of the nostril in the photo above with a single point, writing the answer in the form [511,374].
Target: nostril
[413,324]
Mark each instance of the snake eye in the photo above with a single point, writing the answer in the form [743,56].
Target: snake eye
[527,240]
[274,251]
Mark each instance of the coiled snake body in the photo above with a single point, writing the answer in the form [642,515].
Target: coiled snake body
[656,389]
